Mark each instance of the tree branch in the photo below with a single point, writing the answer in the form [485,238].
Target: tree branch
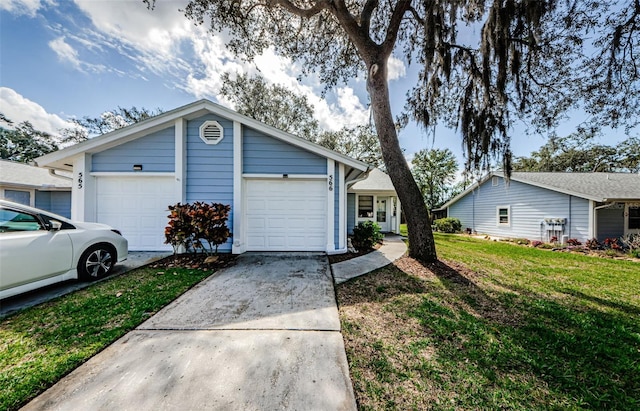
[416,16]
[365,16]
[316,8]
[394,27]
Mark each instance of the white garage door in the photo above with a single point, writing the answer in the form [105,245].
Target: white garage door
[286,215]
[137,206]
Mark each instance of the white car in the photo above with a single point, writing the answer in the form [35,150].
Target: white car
[38,248]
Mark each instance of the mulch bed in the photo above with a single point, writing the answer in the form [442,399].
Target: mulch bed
[338,258]
[197,261]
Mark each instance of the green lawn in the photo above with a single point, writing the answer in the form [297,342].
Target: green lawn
[495,326]
[42,344]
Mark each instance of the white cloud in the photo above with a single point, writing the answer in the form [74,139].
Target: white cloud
[18,108]
[163,42]
[65,52]
[395,69]
[22,7]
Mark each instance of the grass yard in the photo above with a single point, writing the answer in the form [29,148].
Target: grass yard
[40,345]
[495,326]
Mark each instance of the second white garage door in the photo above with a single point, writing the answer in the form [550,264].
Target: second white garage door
[137,206]
[286,215]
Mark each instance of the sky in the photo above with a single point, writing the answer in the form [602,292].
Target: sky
[64,59]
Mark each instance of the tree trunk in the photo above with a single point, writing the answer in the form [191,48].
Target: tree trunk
[421,242]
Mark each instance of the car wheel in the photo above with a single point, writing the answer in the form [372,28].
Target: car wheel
[96,262]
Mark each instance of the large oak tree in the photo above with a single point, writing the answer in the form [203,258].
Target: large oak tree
[526,61]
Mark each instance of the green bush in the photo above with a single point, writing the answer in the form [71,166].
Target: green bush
[448,225]
[366,234]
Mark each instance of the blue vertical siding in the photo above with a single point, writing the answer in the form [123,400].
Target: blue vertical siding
[336,202]
[267,155]
[463,210]
[351,212]
[610,222]
[155,152]
[529,206]
[43,200]
[57,202]
[210,168]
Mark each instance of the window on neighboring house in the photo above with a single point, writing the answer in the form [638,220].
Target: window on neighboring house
[504,215]
[365,206]
[634,218]
[18,196]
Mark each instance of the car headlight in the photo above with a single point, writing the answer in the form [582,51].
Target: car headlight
[116,231]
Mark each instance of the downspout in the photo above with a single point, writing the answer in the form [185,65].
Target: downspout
[473,210]
[570,220]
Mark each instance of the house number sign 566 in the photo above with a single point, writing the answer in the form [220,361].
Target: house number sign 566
[330,183]
[80,180]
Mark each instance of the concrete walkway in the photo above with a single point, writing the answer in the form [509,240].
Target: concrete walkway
[261,335]
[393,247]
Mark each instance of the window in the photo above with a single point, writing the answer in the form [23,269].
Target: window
[12,221]
[503,215]
[634,218]
[365,206]
[18,196]
[494,181]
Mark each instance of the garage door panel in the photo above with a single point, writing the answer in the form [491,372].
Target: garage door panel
[137,206]
[276,223]
[286,215]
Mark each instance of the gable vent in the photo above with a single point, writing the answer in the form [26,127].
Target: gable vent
[211,132]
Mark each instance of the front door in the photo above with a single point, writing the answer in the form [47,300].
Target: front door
[382,216]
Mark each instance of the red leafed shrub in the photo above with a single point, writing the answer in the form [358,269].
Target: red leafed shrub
[536,243]
[210,225]
[179,231]
[197,226]
[613,243]
[553,239]
[593,244]
[573,241]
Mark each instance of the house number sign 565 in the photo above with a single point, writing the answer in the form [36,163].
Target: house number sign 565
[80,180]
[331,183]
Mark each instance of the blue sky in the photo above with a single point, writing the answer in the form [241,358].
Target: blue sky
[61,59]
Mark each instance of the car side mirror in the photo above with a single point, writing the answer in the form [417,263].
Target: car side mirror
[55,225]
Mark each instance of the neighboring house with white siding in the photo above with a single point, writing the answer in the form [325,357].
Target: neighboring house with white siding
[285,193]
[35,187]
[539,206]
[374,199]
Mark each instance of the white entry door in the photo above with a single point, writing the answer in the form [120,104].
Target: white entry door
[137,206]
[286,215]
[382,215]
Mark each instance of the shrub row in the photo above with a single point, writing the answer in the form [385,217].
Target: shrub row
[447,225]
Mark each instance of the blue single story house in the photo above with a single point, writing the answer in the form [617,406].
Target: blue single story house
[35,187]
[540,206]
[286,193]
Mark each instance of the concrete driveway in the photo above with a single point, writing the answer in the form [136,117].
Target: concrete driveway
[262,335]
